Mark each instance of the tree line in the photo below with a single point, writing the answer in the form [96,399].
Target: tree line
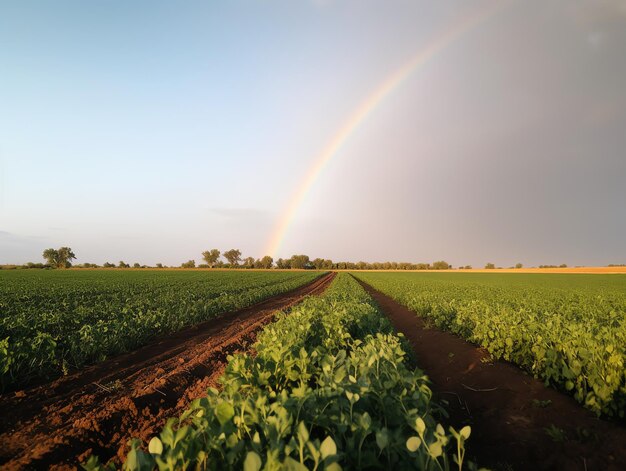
[214,258]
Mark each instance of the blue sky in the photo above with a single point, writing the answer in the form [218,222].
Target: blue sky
[151,131]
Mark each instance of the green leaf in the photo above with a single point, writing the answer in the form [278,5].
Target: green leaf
[420,425]
[382,438]
[466,431]
[224,412]
[435,449]
[413,443]
[328,447]
[155,446]
[252,462]
[303,432]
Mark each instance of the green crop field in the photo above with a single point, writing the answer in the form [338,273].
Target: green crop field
[569,330]
[52,321]
[330,383]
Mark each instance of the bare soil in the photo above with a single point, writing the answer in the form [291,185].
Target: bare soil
[517,422]
[97,410]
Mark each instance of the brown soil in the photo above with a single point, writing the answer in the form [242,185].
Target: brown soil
[97,410]
[507,409]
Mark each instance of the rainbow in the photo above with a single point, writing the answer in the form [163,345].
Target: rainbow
[436,45]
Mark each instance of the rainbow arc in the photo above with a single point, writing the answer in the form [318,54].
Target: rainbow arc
[435,46]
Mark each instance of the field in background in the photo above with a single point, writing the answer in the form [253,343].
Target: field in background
[569,330]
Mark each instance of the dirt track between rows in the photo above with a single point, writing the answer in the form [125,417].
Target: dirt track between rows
[97,410]
[507,409]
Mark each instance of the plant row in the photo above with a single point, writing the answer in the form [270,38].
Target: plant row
[55,321]
[569,330]
[329,387]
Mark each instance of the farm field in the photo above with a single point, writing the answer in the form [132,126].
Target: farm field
[53,322]
[328,382]
[569,330]
[100,407]
[330,387]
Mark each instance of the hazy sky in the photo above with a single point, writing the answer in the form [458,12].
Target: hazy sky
[150,131]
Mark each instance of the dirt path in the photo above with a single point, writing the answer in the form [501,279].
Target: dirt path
[54,426]
[509,411]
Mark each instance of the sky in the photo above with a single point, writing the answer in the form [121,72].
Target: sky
[150,131]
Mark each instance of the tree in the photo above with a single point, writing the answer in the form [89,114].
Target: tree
[266,262]
[211,257]
[519,265]
[123,264]
[490,266]
[248,262]
[441,265]
[61,258]
[299,261]
[188,264]
[233,256]
[159,265]
[136,265]
[318,263]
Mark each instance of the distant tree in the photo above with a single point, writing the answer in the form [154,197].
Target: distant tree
[490,266]
[282,264]
[248,262]
[35,265]
[299,261]
[318,263]
[61,258]
[519,265]
[188,264]
[441,265]
[136,265]
[563,265]
[108,265]
[123,264]
[211,257]
[266,262]
[159,265]
[233,256]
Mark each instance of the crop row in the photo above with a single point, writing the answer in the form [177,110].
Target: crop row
[329,387]
[569,330]
[54,321]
